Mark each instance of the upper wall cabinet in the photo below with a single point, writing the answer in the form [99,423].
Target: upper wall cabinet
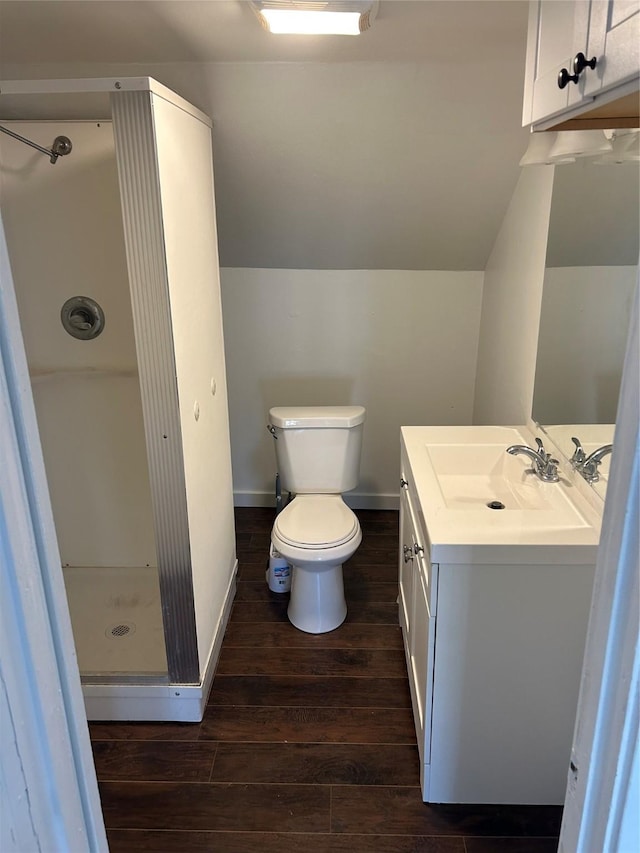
[583,64]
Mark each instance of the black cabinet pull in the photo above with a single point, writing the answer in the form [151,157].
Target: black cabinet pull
[564,78]
[580,62]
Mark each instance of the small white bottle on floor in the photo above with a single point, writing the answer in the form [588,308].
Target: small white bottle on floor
[278,573]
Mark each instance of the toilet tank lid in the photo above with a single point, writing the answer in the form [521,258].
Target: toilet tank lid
[294,417]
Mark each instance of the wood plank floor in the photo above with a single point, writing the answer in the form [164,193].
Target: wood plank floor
[307,744]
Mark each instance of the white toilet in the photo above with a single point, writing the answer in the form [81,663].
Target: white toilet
[318,455]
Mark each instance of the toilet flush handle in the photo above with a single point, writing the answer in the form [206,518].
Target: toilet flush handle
[272,430]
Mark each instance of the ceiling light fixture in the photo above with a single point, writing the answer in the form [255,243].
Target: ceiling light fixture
[626,148]
[580,143]
[538,152]
[333,17]
[604,147]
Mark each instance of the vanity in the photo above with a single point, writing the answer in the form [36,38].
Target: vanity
[495,581]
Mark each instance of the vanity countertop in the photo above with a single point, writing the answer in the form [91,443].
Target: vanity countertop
[457,471]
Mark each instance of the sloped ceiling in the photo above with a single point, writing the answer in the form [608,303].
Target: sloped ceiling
[397,149]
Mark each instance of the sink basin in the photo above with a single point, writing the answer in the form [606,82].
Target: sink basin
[475,495]
[485,479]
[473,476]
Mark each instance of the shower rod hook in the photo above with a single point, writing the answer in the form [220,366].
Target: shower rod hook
[61,144]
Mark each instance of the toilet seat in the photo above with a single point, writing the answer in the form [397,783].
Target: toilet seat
[316,522]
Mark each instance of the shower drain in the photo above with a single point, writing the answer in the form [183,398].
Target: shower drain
[122,629]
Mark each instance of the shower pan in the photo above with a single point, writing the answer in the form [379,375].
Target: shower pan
[110,247]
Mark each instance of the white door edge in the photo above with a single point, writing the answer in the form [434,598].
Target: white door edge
[49,795]
[601,811]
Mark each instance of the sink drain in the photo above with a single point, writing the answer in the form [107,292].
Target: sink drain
[496,505]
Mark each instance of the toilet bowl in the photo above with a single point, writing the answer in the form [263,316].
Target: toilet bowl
[316,534]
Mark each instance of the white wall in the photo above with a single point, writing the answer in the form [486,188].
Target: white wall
[356,165]
[595,215]
[185,171]
[582,340]
[401,343]
[64,235]
[511,304]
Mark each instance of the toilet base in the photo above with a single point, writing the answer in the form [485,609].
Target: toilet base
[317,602]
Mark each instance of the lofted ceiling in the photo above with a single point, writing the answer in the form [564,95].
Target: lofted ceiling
[228,31]
[397,149]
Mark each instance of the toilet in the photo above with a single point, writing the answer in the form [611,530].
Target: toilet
[318,456]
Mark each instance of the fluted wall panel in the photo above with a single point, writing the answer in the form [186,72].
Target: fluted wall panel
[146,259]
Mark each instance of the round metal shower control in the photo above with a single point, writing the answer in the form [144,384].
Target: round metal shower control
[82,317]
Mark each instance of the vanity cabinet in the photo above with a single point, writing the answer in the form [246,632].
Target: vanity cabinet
[493,639]
[604,96]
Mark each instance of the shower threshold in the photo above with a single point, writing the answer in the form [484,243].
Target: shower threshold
[181,703]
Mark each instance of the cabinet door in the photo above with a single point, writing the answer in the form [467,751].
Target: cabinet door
[614,39]
[422,656]
[555,28]
[405,567]
[608,30]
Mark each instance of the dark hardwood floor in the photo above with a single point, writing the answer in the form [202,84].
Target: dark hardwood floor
[307,744]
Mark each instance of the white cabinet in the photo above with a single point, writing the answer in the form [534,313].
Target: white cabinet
[494,649]
[558,85]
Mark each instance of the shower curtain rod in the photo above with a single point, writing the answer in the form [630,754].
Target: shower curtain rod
[61,144]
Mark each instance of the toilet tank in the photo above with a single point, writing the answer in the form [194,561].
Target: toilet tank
[317,447]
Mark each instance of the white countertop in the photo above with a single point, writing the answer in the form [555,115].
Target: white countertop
[541,522]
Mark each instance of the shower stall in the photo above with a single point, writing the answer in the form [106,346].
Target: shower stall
[112,245]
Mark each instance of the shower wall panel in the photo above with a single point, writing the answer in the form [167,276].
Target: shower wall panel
[64,232]
[185,172]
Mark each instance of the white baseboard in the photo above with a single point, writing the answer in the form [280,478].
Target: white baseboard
[353,499]
[180,703]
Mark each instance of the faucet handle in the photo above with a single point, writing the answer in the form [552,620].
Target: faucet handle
[549,471]
[544,456]
[589,470]
[578,454]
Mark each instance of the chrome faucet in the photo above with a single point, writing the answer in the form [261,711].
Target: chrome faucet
[544,466]
[588,465]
